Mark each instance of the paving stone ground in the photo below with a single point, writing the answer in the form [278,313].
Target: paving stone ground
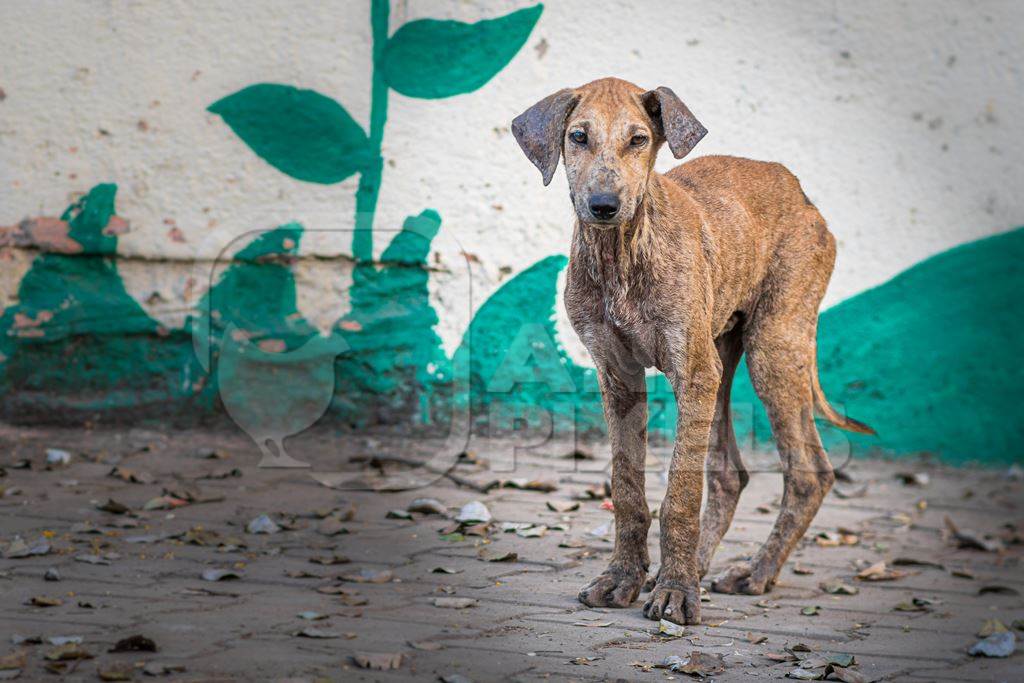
[525,624]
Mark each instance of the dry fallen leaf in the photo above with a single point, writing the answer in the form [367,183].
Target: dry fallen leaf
[914,605]
[595,492]
[203,591]
[990,626]
[966,538]
[336,590]
[879,572]
[563,505]
[158,669]
[164,503]
[221,473]
[445,570]
[837,587]
[329,559]
[529,485]
[220,575]
[381,661]
[833,539]
[316,633]
[14,660]
[113,507]
[132,476]
[331,526]
[353,599]
[428,506]
[455,603]
[369,576]
[781,656]
[846,675]
[489,555]
[45,601]
[913,478]
[699,664]
[915,562]
[136,643]
[482,529]
[68,652]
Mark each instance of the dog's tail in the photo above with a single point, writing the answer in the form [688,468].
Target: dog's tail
[826,411]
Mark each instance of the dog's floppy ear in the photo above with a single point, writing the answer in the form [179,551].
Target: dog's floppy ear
[539,130]
[679,126]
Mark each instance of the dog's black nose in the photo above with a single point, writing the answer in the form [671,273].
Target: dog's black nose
[604,206]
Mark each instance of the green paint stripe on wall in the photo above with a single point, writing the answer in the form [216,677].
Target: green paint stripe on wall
[931,358]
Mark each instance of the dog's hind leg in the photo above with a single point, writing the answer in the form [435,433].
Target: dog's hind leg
[779,340]
[726,476]
[779,368]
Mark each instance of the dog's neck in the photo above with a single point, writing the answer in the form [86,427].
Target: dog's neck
[618,255]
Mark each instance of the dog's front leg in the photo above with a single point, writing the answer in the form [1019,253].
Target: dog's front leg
[695,377]
[624,393]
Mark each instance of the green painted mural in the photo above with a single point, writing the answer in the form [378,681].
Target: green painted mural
[395,358]
[433,59]
[518,370]
[75,326]
[299,132]
[928,357]
[383,359]
[395,361]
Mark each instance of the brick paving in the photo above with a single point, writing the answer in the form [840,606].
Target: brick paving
[525,624]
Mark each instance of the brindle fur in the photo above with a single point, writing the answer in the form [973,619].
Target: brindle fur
[719,257]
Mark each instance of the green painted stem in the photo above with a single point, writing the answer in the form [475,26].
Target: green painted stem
[371,176]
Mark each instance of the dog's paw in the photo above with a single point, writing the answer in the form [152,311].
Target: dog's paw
[740,578]
[675,602]
[616,587]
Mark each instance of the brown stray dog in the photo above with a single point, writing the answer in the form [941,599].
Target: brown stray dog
[686,272]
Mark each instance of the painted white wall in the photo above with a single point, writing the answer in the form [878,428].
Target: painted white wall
[902,119]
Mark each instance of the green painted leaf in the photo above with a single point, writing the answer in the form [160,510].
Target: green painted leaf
[431,59]
[299,132]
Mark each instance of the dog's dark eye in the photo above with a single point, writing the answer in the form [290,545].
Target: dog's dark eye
[579,137]
[638,140]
